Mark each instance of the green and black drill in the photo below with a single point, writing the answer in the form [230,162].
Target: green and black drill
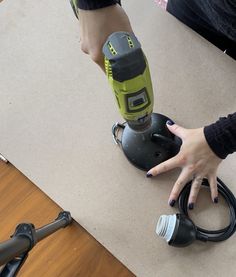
[145,139]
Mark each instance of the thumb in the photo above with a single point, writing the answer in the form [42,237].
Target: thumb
[175,129]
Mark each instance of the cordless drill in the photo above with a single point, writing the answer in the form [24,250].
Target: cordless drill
[145,140]
[128,73]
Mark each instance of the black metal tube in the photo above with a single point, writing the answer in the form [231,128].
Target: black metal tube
[50,228]
[13,248]
[19,244]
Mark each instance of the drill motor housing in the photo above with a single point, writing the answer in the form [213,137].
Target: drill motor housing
[128,74]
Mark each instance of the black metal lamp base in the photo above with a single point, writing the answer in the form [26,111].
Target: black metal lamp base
[151,147]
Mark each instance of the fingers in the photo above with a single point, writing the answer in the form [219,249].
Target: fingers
[165,166]
[213,186]
[176,129]
[194,159]
[195,187]
[183,178]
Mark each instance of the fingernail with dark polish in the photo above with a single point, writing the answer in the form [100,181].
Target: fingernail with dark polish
[216,200]
[149,175]
[191,206]
[170,122]
[172,203]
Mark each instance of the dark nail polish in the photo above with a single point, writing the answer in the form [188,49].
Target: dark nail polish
[191,206]
[149,175]
[170,122]
[216,200]
[172,203]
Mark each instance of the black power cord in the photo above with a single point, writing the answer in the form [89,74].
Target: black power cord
[212,235]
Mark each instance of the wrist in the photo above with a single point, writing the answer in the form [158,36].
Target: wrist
[213,144]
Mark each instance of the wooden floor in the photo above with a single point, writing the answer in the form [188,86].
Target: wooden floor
[68,252]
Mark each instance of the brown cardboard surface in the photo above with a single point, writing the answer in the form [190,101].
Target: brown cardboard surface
[56,116]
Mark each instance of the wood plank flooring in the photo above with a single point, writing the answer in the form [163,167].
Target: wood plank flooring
[70,252]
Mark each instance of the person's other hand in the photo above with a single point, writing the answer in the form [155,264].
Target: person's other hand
[197,161]
[97,25]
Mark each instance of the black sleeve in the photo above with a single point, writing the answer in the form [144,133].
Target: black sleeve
[221,136]
[95,4]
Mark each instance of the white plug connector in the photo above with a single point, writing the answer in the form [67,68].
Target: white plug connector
[166,226]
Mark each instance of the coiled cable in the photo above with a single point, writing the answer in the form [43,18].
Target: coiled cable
[212,235]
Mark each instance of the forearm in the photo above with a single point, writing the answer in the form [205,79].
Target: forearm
[221,136]
[95,4]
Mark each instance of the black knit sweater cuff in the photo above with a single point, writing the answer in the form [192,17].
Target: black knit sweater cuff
[221,136]
[95,4]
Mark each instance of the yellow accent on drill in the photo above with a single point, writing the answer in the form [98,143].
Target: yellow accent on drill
[112,49]
[74,5]
[128,87]
[130,42]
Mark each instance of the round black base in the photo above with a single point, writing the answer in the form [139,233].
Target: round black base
[151,147]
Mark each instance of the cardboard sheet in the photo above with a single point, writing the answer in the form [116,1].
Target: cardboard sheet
[55,122]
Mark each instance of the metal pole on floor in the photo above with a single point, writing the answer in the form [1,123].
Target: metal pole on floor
[14,251]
